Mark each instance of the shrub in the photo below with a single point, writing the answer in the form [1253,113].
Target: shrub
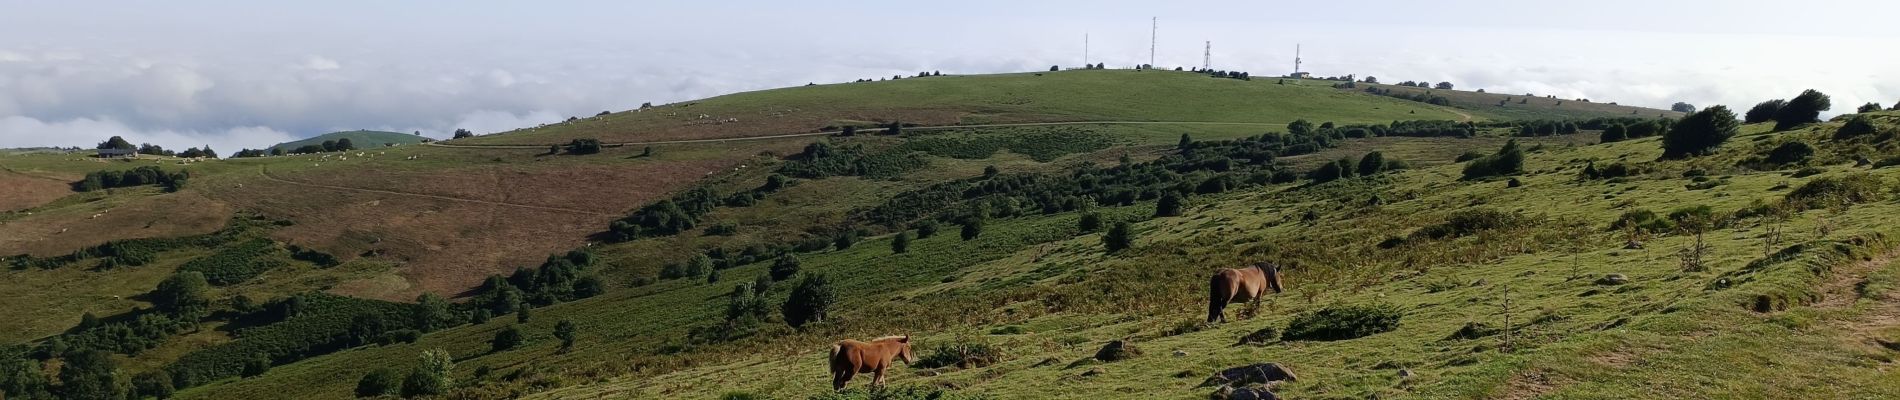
[961,354]
[1470,221]
[785,267]
[1090,222]
[1764,111]
[257,365]
[901,243]
[1858,126]
[1700,133]
[1836,191]
[845,239]
[505,339]
[1792,152]
[1169,206]
[1642,220]
[583,146]
[1803,109]
[1509,160]
[379,382]
[1343,322]
[972,228]
[926,228]
[567,332]
[1120,237]
[1371,163]
[810,301]
[1614,133]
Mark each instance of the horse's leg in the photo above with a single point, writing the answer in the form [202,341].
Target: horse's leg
[1216,302]
[840,378]
[877,377]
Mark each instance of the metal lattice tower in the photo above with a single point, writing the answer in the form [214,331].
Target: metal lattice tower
[1207,57]
[1154,31]
[1296,59]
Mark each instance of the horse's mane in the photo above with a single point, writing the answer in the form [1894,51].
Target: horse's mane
[891,337]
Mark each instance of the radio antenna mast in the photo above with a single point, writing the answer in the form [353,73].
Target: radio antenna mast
[1296,59]
[1207,57]
[1085,50]
[1154,31]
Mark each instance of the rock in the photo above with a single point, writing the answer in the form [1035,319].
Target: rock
[928,372]
[1262,336]
[1613,279]
[1405,373]
[1242,393]
[1262,373]
[1117,350]
[1632,245]
[1095,371]
[1180,353]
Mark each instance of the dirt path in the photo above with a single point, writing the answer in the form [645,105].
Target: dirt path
[1879,313]
[267,175]
[834,132]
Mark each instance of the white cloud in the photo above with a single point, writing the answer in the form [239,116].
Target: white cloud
[317,63]
[19,131]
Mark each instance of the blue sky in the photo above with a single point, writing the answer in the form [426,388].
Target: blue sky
[248,74]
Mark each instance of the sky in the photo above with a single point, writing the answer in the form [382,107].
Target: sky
[231,74]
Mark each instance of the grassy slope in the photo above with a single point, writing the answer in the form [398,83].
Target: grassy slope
[1602,345]
[361,139]
[1519,106]
[1108,95]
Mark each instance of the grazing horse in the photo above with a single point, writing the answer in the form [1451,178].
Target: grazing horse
[1232,285]
[851,357]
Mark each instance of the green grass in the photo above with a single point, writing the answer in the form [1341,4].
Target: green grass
[363,140]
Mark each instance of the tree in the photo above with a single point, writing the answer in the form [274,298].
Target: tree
[431,377]
[925,228]
[1327,172]
[1090,222]
[973,227]
[379,382]
[845,239]
[774,182]
[583,146]
[525,314]
[1700,133]
[900,244]
[1444,86]
[1867,108]
[1509,160]
[462,133]
[1804,109]
[1371,163]
[1613,133]
[1054,68]
[990,171]
[258,364]
[343,144]
[1682,107]
[785,267]
[1371,79]
[116,142]
[89,374]
[432,312]
[184,294]
[1299,127]
[505,339]
[810,301]
[1790,153]
[1119,237]
[154,384]
[567,332]
[1764,111]
[1170,205]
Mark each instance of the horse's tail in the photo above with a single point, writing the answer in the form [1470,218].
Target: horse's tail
[833,359]
[1215,300]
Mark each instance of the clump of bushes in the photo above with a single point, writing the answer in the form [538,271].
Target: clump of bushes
[1509,160]
[962,354]
[1836,191]
[1643,220]
[1343,322]
[1471,221]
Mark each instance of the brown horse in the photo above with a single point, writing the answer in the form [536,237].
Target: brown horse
[851,357]
[1232,285]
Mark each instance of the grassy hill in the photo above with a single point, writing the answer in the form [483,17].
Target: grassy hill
[1501,287]
[363,139]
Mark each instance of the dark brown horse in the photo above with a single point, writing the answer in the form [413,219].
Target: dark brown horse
[851,357]
[1232,285]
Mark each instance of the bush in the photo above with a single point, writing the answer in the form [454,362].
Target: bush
[256,365]
[1860,125]
[431,377]
[785,267]
[1090,222]
[1700,133]
[961,354]
[237,263]
[1764,111]
[1614,133]
[1792,152]
[1643,221]
[972,228]
[1371,163]
[1470,221]
[1803,109]
[379,382]
[810,301]
[506,339]
[1509,160]
[1169,206]
[900,244]
[1832,191]
[1120,237]
[1343,322]
[583,146]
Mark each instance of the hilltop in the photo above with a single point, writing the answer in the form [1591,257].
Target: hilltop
[362,139]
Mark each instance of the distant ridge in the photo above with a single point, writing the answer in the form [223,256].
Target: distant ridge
[361,139]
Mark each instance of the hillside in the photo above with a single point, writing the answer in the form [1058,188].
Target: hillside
[1502,287]
[363,139]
